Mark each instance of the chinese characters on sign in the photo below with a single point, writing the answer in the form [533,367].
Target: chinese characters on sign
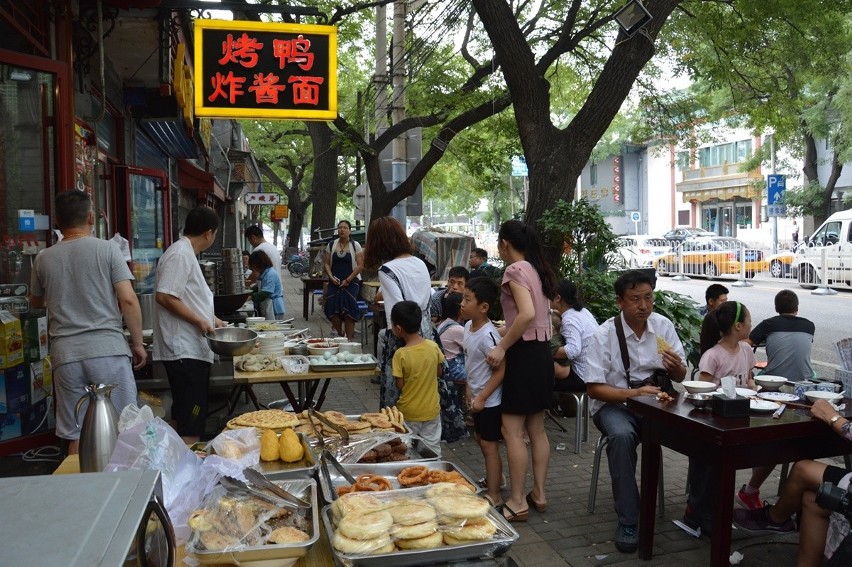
[262,198]
[265,70]
[616,179]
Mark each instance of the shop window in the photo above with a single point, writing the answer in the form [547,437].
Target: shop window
[745,217]
[26,166]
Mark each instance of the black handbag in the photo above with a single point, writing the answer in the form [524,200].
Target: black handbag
[660,378]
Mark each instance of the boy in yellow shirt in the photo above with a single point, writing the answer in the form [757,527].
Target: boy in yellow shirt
[416,369]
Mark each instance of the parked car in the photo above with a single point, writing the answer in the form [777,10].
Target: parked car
[781,265]
[681,233]
[712,257]
[639,251]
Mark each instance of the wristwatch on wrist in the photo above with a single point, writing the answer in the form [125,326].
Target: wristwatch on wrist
[833,419]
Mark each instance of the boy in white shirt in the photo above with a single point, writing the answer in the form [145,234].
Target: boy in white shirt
[484,384]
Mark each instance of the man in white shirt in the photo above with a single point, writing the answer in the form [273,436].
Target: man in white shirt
[610,384]
[254,234]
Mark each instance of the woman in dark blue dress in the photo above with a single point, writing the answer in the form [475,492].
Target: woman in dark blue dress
[343,264]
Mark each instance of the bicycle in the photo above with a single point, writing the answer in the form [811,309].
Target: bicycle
[297,265]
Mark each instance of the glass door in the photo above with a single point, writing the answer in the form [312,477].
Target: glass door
[146,220]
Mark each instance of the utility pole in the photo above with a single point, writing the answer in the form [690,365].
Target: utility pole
[380,82]
[399,148]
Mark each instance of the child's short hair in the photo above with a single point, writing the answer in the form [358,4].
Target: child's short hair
[484,289]
[407,315]
[451,304]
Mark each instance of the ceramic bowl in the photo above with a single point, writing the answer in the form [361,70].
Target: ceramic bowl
[699,387]
[770,383]
[699,400]
[321,348]
[814,395]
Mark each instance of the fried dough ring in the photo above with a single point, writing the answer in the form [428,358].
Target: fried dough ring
[371,483]
[435,476]
[413,476]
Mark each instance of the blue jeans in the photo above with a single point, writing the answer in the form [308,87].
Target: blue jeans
[623,430]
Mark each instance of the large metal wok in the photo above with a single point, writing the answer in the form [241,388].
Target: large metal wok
[226,304]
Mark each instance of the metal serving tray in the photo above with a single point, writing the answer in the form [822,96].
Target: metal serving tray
[358,445]
[264,554]
[279,470]
[345,365]
[499,543]
[387,470]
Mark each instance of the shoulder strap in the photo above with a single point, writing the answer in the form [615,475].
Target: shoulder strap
[452,323]
[622,345]
[392,276]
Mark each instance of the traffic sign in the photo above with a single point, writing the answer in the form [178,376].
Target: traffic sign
[262,198]
[519,166]
[776,185]
[635,216]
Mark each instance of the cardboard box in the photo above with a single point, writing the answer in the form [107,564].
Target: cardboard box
[41,380]
[11,340]
[14,389]
[34,330]
[30,420]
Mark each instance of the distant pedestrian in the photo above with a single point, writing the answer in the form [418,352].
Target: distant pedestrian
[795,234]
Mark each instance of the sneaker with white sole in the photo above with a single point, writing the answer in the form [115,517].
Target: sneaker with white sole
[750,501]
[626,538]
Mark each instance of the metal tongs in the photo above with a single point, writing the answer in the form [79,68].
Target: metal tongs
[344,435]
[232,484]
[327,457]
[260,481]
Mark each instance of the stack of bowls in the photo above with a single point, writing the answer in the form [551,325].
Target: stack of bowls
[272,344]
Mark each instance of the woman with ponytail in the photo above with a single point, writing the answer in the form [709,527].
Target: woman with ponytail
[527,288]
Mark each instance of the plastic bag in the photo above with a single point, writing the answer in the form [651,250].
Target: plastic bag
[132,415]
[123,245]
[154,445]
[239,445]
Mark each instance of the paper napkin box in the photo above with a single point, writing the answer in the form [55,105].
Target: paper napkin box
[727,407]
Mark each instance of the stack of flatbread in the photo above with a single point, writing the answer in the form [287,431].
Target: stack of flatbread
[386,420]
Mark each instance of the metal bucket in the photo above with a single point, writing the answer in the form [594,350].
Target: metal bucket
[146,303]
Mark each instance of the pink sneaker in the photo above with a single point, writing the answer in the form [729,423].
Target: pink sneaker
[750,501]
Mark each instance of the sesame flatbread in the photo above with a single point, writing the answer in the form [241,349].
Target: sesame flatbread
[267,419]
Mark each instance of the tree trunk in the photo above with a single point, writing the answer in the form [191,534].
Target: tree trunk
[324,181]
[556,158]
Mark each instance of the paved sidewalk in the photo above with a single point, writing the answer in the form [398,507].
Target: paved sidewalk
[567,534]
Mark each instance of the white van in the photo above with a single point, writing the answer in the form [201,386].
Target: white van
[834,238]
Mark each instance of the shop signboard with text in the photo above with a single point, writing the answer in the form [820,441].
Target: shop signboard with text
[265,70]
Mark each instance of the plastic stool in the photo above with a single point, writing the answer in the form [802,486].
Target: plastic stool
[596,469]
[366,314]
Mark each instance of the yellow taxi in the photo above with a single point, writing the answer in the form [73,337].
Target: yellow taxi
[712,257]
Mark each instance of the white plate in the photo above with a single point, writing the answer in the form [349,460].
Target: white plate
[744,392]
[763,405]
[778,397]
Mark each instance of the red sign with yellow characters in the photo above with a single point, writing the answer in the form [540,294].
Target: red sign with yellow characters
[265,70]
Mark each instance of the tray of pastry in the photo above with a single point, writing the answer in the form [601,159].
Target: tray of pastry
[380,447]
[432,524]
[237,528]
[391,476]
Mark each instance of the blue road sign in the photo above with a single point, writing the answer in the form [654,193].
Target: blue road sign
[635,216]
[776,185]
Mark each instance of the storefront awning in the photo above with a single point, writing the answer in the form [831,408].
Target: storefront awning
[192,177]
[722,193]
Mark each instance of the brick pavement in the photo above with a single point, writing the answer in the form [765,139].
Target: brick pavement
[566,534]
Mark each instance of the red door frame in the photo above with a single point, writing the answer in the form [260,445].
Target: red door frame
[124,172]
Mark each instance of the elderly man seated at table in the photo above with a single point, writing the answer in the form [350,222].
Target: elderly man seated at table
[799,493]
[629,355]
